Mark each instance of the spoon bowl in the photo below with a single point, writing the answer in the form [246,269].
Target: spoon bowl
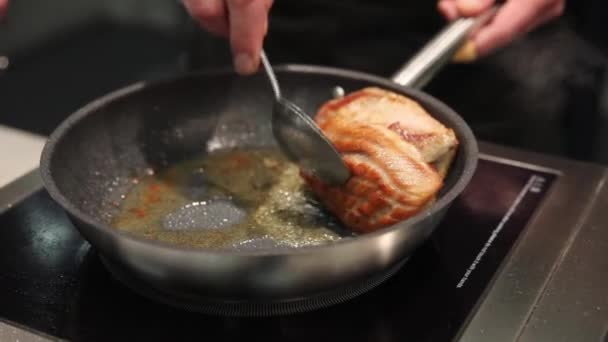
[302,140]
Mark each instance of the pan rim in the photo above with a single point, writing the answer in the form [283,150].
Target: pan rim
[470,164]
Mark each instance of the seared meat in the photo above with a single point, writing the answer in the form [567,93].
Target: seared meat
[397,153]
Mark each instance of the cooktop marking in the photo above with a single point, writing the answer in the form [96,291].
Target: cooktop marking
[534,184]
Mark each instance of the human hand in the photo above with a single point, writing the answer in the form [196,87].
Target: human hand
[514,19]
[243,22]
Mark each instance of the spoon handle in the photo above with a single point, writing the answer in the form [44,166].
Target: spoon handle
[271,76]
[421,68]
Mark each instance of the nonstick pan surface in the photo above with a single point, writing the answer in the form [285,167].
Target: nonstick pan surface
[91,157]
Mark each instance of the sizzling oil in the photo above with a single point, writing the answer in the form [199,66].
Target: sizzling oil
[227,199]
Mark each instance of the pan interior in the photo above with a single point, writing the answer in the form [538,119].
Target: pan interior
[177,125]
[234,198]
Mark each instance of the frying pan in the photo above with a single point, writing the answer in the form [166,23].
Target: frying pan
[89,158]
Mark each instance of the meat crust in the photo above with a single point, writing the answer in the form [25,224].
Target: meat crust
[398,155]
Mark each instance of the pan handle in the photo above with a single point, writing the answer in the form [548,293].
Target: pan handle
[421,68]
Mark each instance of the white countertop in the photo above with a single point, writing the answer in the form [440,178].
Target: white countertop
[19,153]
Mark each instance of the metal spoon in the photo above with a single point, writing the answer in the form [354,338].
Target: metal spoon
[301,139]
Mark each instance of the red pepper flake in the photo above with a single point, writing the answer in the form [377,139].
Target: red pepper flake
[152,195]
[150,198]
[240,160]
[138,211]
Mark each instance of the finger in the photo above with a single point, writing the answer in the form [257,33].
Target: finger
[211,14]
[469,8]
[448,9]
[248,26]
[511,21]
[556,9]
[268,4]
[3,8]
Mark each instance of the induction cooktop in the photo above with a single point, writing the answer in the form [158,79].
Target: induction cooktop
[483,267]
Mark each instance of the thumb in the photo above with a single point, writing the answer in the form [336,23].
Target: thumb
[470,8]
